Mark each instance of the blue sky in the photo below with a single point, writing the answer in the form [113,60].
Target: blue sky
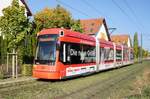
[125,21]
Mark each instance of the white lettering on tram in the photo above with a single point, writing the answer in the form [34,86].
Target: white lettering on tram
[73,52]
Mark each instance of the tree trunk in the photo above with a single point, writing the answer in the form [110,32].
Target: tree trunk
[16,65]
[13,64]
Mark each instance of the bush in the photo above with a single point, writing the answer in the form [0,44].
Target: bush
[27,69]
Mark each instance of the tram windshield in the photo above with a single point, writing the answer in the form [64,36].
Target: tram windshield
[46,49]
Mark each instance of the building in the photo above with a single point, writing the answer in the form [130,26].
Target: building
[122,39]
[96,27]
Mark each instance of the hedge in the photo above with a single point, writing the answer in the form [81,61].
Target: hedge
[27,69]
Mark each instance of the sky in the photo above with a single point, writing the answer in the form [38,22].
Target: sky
[127,16]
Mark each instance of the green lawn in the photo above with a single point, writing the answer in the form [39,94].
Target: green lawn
[113,84]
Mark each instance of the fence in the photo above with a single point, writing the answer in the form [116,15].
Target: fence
[9,65]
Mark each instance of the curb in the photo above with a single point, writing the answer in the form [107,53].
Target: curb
[16,81]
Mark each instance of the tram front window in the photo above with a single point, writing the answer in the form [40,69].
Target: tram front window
[46,49]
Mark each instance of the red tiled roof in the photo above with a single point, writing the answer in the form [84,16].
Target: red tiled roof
[120,39]
[92,26]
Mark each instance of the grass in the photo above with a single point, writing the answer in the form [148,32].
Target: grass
[141,86]
[113,84]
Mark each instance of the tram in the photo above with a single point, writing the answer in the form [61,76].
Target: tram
[63,53]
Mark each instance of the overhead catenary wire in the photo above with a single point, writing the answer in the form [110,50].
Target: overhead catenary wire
[123,11]
[77,10]
[126,14]
[96,10]
[89,5]
[136,23]
[133,13]
[137,20]
[135,17]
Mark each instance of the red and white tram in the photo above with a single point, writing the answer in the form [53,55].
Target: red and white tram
[63,53]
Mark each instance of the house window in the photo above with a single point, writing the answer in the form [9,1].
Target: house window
[92,24]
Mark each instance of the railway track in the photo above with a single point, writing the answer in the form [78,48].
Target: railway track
[8,86]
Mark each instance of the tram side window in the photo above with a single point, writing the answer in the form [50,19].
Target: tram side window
[69,53]
[118,55]
[88,54]
[125,54]
[109,54]
[106,54]
[77,53]
[102,54]
[74,53]
[131,56]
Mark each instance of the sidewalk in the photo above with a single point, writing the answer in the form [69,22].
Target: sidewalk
[16,80]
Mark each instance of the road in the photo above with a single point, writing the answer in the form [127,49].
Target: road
[112,84]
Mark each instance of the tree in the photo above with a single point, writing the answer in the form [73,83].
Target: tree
[61,17]
[77,26]
[1,49]
[135,45]
[55,18]
[145,53]
[14,24]
[43,18]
